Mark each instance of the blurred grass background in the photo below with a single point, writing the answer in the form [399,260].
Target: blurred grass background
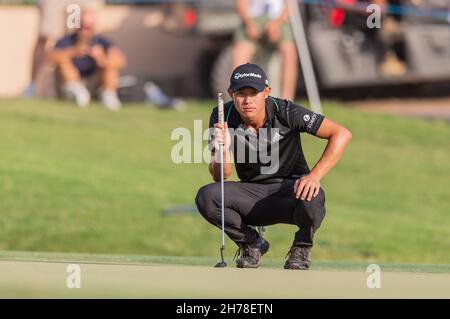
[92,181]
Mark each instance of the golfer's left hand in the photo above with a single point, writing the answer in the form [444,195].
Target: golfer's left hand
[307,187]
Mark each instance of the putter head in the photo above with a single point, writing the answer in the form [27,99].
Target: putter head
[221,264]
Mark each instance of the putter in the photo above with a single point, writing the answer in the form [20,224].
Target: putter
[221,263]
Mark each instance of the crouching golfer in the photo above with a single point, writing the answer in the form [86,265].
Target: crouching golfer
[276,184]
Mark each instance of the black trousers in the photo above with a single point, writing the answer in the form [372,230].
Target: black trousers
[261,205]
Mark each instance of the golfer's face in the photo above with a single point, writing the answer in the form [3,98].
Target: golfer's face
[249,102]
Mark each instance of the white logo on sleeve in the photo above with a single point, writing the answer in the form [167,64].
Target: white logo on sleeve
[306,117]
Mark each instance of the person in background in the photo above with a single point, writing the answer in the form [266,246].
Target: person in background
[266,21]
[391,33]
[83,58]
[52,26]
[352,16]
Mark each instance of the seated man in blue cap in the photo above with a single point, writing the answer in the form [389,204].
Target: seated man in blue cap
[85,57]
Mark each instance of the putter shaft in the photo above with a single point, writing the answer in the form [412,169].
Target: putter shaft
[221,121]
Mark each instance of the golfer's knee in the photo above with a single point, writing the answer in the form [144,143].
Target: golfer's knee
[315,209]
[206,198]
[318,210]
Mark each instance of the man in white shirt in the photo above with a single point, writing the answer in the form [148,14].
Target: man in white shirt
[267,21]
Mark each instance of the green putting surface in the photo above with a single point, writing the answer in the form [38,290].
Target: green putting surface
[44,275]
[19,279]
[110,259]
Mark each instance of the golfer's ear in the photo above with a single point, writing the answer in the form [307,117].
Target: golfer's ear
[230,93]
[267,91]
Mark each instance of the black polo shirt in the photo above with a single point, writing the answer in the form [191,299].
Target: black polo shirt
[283,124]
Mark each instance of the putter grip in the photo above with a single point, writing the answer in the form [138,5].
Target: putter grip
[220,105]
[220,109]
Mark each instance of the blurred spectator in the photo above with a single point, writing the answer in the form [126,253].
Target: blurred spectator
[390,34]
[352,14]
[83,58]
[266,22]
[52,25]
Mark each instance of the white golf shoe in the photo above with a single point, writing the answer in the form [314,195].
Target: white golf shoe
[77,92]
[110,100]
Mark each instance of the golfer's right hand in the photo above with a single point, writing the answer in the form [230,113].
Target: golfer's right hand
[221,136]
